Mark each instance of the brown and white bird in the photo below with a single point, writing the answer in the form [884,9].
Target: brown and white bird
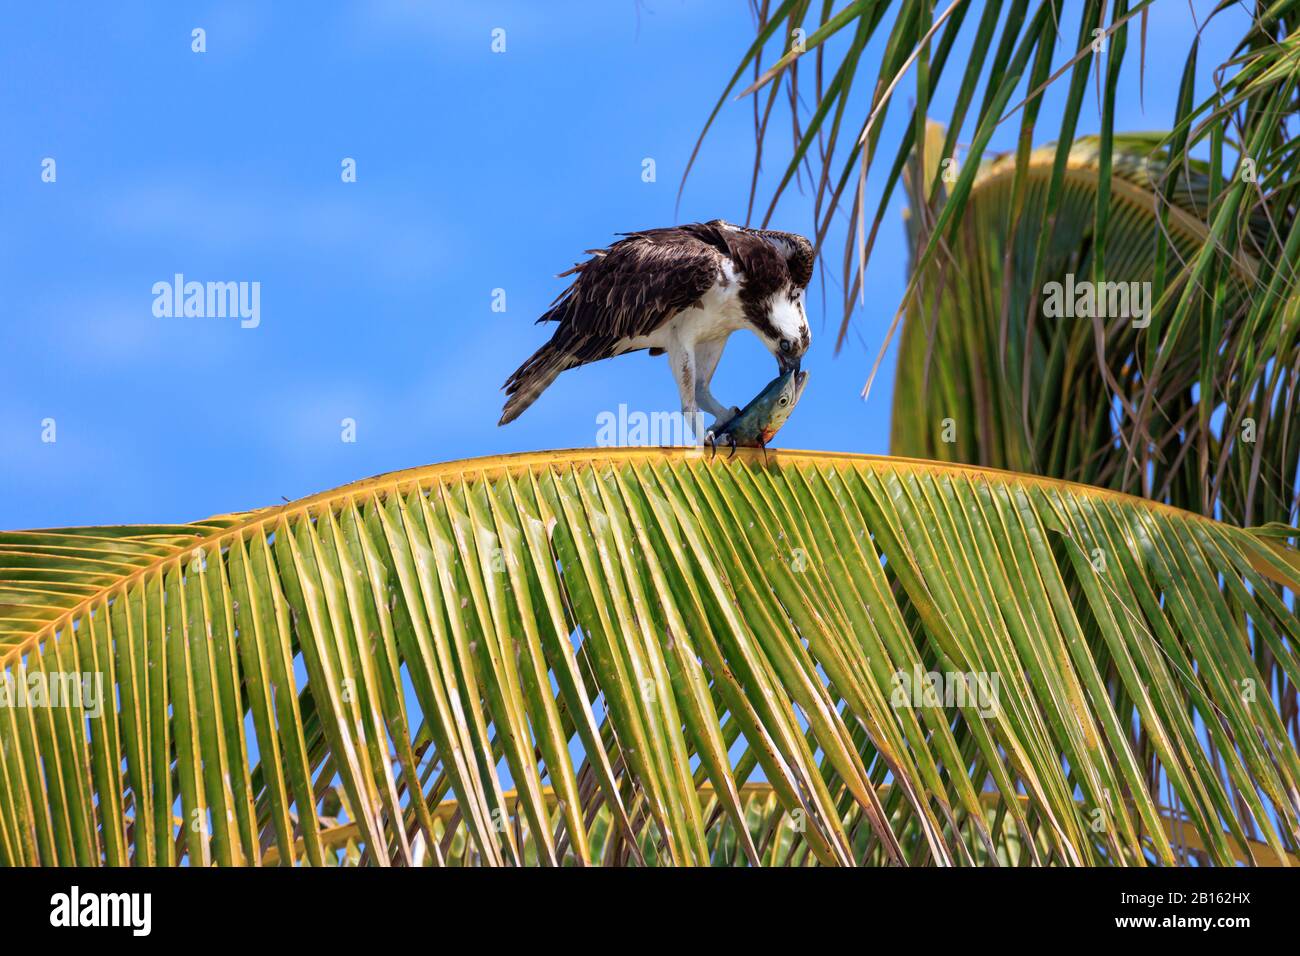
[682,291]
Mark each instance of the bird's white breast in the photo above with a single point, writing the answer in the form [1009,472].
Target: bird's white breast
[718,314]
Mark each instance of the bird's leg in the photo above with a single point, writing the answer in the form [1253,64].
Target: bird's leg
[707,355]
[721,413]
[683,362]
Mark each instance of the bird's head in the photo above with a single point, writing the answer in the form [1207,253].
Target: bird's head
[785,331]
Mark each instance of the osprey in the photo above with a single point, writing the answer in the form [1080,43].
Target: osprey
[682,291]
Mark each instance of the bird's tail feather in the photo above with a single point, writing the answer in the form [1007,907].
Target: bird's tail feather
[532,378]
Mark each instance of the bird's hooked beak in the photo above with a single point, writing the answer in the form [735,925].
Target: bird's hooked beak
[788,363]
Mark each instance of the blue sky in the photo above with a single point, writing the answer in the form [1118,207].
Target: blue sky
[475,171]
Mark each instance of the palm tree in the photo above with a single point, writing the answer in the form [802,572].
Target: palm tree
[1205,395]
[1196,404]
[642,656]
[1064,397]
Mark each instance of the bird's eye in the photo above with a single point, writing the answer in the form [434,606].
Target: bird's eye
[785,345]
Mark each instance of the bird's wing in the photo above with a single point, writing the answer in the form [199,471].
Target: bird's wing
[625,291]
[634,286]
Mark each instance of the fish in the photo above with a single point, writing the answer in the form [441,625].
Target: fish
[758,422]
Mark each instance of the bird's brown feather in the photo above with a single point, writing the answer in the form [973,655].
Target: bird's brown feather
[634,286]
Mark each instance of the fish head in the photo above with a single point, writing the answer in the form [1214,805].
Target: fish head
[785,390]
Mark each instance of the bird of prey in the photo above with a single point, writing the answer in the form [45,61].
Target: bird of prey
[682,291]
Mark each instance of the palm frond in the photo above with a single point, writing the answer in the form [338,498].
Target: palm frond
[985,377]
[774,832]
[596,655]
[1232,152]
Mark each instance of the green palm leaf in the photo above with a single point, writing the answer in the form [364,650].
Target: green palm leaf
[986,378]
[775,833]
[596,656]
[1206,213]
